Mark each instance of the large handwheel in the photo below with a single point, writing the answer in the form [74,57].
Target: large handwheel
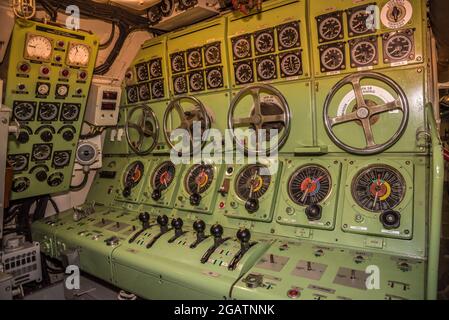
[262,116]
[142,120]
[187,118]
[363,113]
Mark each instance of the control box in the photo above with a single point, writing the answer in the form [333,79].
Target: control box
[103,105]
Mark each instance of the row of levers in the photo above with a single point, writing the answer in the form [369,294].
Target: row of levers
[345,193]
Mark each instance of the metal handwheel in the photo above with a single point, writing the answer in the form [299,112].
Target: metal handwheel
[146,126]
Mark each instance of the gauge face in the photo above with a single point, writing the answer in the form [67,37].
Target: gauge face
[244,72]
[266,69]
[55,179]
[309,185]
[250,184]
[142,72]
[180,84]
[177,62]
[364,53]
[330,28]
[131,93]
[20,184]
[62,90]
[358,22]
[214,78]
[166,7]
[38,48]
[155,68]
[332,58]
[41,152]
[212,54]
[144,92]
[61,158]
[133,174]
[399,47]
[199,179]
[78,55]
[288,36]
[194,59]
[48,111]
[163,176]
[70,112]
[378,188]
[290,64]
[396,13]
[154,14]
[42,89]
[264,42]
[196,81]
[241,47]
[157,89]
[19,162]
[24,111]
[129,76]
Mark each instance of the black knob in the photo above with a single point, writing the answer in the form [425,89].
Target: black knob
[195,199]
[68,135]
[23,137]
[46,136]
[313,212]
[252,205]
[216,230]
[162,220]
[126,192]
[177,223]
[156,195]
[199,226]
[41,175]
[390,219]
[144,217]
[244,235]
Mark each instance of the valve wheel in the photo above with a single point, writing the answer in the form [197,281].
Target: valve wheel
[146,126]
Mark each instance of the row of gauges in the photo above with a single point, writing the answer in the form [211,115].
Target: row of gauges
[165,8]
[146,91]
[21,184]
[397,47]
[192,59]
[41,152]
[24,111]
[147,71]
[196,81]
[288,37]
[290,65]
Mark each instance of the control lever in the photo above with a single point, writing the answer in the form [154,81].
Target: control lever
[199,226]
[217,232]
[252,205]
[162,221]
[244,236]
[126,191]
[177,224]
[314,212]
[156,195]
[144,217]
[195,199]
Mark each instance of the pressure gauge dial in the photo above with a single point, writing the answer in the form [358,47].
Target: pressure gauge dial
[180,84]
[38,48]
[358,22]
[199,178]
[399,47]
[70,112]
[330,27]
[144,92]
[157,89]
[24,111]
[309,185]
[163,176]
[131,93]
[264,41]
[363,53]
[78,55]
[244,72]
[48,111]
[20,184]
[41,152]
[194,58]
[288,36]
[212,53]
[214,78]
[133,174]
[196,81]
[19,162]
[332,58]
[55,179]
[142,72]
[177,62]
[241,47]
[61,158]
[251,184]
[155,66]
[266,69]
[290,64]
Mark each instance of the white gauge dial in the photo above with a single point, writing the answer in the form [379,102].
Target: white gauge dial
[62,91]
[38,48]
[78,55]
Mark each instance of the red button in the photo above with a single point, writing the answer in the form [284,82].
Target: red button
[61,43]
[24,67]
[58,58]
[83,75]
[65,73]
[45,70]
[293,293]
[221,205]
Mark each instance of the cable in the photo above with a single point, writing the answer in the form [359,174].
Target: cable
[53,203]
[109,41]
[82,184]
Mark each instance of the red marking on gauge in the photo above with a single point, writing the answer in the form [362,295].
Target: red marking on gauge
[309,185]
[165,177]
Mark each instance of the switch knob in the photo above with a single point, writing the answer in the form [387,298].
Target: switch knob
[41,175]
[217,231]
[244,235]
[46,136]
[314,212]
[156,195]
[390,219]
[126,192]
[195,199]
[252,205]
[162,220]
[68,135]
[144,217]
[177,223]
[23,137]
[199,226]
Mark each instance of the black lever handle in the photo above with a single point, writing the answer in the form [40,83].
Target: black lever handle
[244,236]
[217,232]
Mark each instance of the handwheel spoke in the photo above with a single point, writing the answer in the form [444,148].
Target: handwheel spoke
[368,130]
[343,119]
[255,93]
[180,111]
[240,121]
[357,87]
[273,118]
[390,106]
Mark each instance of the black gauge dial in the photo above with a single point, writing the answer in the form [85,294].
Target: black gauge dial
[157,89]
[214,78]
[133,174]
[131,93]
[166,7]
[177,62]
[142,72]
[363,53]
[55,179]
[155,66]
[212,53]
[18,162]
[70,112]
[288,36]
[154,14]
[48,111]
[20,184]
[378,188]
[264,42]
[41,152]
[24,111]
[241,47]
[144,92]
[358,23]
[250,184]
[186,4]
[180,84]
[244,72]
[61,158]
[330,28]
[332,58]
[266,69]
[163,176]
[309,185]
[196,81]
[194,58]
[399,47]
[290,64]
[199,179]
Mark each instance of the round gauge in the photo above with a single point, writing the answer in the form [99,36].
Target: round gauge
[358,22]
[166,7]
[212,54]
[43,89]
[214,79]
[133,174]
[24,111]
[20,184]
[129,76]
[19,162]
[78,55]
[144,92]
[55,179]
[330,28]
[196,81]
[194,59]
[396,13]
[288,37]
[242,48]
[199,179]
[154,14]
[38,48]
[186,4]
[378,188]
[266,69]
[48,111]
[309,185]
[155,68]
[157,88]
[363,53]
[264,42]
[142,72]
[61,158]
[180,85]
[86,154]
[163,176]
[244,73]
[70,112]
[250,184]
[62,90]
[290,64]
[399,47]
[41,152]
[332,58]
[177,63]
[132,94]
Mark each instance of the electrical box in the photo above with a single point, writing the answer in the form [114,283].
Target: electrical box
[103,105]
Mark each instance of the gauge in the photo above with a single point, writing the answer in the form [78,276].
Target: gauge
[214,78]
[48,111]
[330,27]
[133,174]
[332,58]
[250,184]
[142,72]
[396,14]
[266,69]
[264,41]
[288,36]
[180,84]
[243,72]
[129,76]
[309,185]
[194,59]
[290,64]
[186,4]
[167,7]
[62,90]
[38,48]
[154,14]
[196,81]
[155,66]
[20,184]
[18,162]
[157,89]
[24,111]
[378,188]
[55,179]
[363,53]
[70,112]
[199,178]
[212,53]
[163,176]
[42,89]
[78,55]
[358,22]
[61,158]
[144,92]
[177,62]
[41,152]
[131,93]
[398,47]
[241,47]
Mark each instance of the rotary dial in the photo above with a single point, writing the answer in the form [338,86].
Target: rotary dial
[38,48]
[133,174]
[288,37]
[194,59]
[330,28]
[180,85]
[62,90]
[48,111]
[24,111]
[309,185]
[250,184]
[132,94]
[55,179]
[157,88]
[196,81]
[144,92]
[264,42]
[142,72]
[358,22]
[41,152]
[242,47]
[212,54]
[363,53]
[290,65]
[199,179]
[399,47]
[78,55]
[244,73]
[178,63]
[266,69]
[20,184]
[332,58]
[43,89]
[70,112]
[163,176]
[214,79]
[61,158]
[19,162]
[156,68]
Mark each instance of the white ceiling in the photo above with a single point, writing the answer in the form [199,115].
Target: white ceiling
[132,4]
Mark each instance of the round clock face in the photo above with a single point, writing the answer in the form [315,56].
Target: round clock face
[38,48]
[78,55]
